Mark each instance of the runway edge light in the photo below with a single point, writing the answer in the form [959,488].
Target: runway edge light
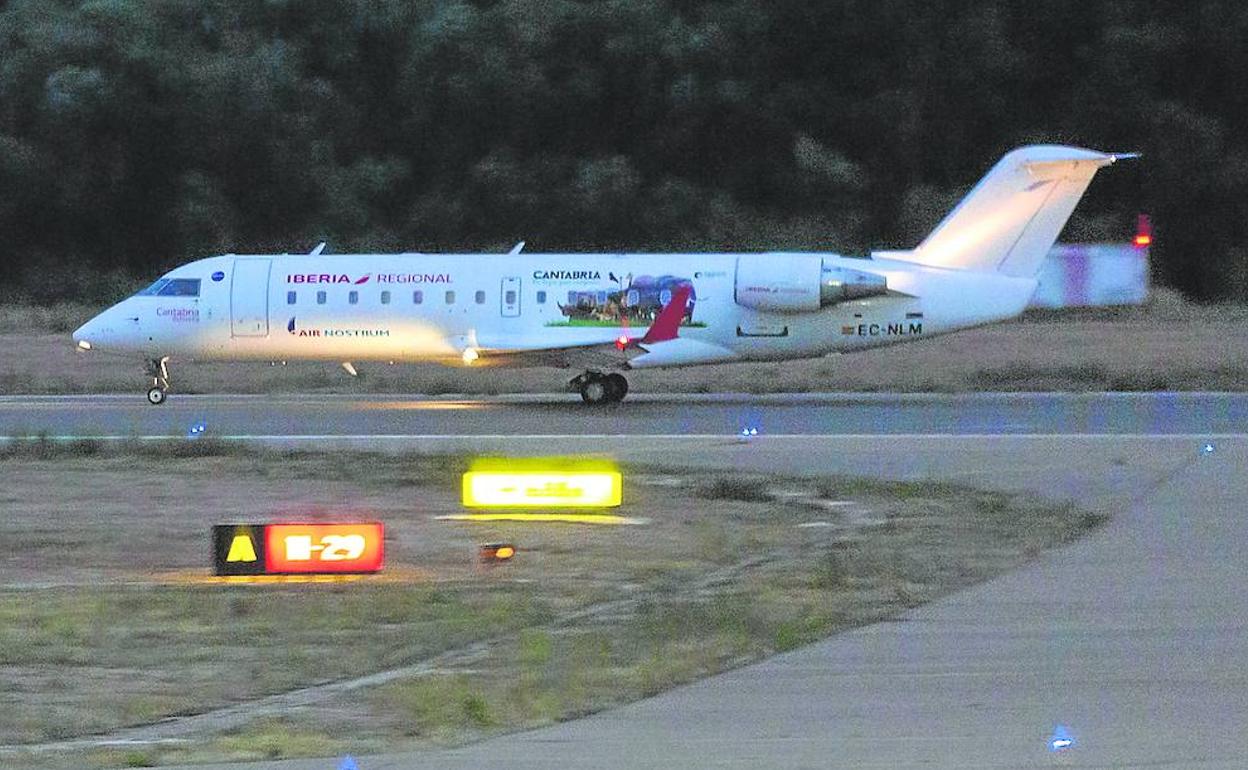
[1061,739]
[496,553]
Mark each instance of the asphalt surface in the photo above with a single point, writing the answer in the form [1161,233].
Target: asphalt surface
[685,415]
[1134,638]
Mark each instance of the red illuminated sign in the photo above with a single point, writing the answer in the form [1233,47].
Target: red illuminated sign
[322,548]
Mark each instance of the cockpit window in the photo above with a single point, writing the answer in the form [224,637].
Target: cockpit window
[180,287]
[172,287]
[154,289]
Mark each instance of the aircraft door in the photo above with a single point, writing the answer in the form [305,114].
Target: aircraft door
[249,298]
[510,297]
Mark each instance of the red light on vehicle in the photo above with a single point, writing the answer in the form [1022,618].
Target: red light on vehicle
[1143,231]
[320,548]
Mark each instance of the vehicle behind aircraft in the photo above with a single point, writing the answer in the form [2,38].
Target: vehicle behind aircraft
[606,314]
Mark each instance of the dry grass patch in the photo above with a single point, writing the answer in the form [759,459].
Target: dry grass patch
[584,619]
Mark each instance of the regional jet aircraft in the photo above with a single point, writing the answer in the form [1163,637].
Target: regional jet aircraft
[607,313]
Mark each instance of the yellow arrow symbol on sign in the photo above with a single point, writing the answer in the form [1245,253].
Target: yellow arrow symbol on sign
[241,549]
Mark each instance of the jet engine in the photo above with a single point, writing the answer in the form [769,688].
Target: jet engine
[800,283]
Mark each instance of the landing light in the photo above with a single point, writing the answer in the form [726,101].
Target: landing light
[84,345]
[1207,449]
[470,355]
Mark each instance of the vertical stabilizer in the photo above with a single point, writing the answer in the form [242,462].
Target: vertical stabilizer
[1010,220]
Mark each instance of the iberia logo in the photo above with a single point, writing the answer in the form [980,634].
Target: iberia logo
[326,278]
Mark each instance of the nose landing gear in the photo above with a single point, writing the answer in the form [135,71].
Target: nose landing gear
[597,388]
[158,370]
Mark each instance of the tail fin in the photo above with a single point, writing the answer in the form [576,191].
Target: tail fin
[1010,220]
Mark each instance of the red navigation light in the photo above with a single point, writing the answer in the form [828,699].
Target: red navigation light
[1143,232]
[621,342]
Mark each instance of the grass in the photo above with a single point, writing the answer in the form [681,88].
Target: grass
[44,319]
[583,620]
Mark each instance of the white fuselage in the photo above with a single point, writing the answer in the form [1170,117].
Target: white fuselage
[415,307]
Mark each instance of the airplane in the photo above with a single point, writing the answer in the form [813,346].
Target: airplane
[609,313]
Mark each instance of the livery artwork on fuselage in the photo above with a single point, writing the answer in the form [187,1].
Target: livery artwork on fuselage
[334,332]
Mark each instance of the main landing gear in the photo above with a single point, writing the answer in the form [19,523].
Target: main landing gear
[598,388]
[158,370]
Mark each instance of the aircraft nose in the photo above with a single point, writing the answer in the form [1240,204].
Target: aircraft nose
[99,332]
[85,333]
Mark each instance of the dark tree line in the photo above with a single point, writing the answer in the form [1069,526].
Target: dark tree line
[137,134]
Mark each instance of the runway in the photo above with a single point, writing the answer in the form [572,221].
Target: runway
[1134,638]
[314,416]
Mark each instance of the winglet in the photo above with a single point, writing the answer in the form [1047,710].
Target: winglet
[320,247]
[666,326]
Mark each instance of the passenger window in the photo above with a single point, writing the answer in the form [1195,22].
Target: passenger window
[320,298]
[180,287]
[385,298]
[353,297]
[541,298]
[480,298]
[290,298]
[418,297]
[450,298]
[510,297]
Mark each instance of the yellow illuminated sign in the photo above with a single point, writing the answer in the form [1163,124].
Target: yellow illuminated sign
[543,489]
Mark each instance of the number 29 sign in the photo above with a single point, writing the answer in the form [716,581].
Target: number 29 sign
[284,549]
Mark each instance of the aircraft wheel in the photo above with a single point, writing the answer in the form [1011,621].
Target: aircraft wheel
[595,391]
[156,396]
[617,387]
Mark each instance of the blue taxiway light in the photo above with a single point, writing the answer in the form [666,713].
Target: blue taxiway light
[196,430]
[1061,740]
[748,432]
[348,763]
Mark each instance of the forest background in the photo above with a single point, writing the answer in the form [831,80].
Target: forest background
[139,134]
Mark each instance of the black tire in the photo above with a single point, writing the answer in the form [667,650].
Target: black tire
[156,396]
[595,391]
[617,387]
